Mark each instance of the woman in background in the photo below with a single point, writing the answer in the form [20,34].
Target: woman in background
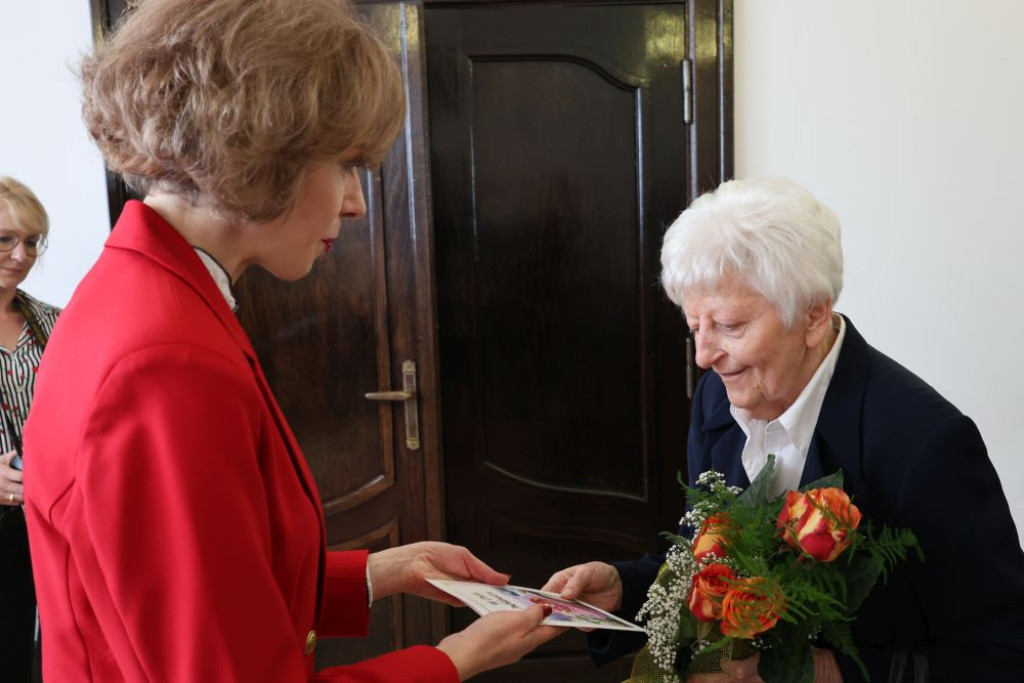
[25,325]
[176,531]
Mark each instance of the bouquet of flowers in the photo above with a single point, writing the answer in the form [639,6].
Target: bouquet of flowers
[765,576]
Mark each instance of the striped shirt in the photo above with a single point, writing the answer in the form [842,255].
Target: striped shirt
[18,369]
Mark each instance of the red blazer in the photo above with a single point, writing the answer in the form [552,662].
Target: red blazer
[176,532]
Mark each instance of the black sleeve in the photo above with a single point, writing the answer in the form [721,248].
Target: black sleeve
[959,614]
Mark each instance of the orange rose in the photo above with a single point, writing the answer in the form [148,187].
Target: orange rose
[711,536]
[708,589]
[751,606]
[820,522]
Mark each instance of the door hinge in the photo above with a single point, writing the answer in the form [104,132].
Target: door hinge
[686,71]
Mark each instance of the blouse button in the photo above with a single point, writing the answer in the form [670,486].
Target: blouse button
[310,642]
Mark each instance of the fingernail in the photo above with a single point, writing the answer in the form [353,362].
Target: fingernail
[547,610]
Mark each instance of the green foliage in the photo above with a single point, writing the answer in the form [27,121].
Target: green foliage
[757,493]
[834,480]
[790,664]
[839,634]
[862,572]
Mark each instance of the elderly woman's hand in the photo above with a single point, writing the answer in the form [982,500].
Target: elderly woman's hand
[826,670]
[11,492]
[596,583]
[733,671]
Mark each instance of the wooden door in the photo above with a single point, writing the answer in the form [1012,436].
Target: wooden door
[559,154]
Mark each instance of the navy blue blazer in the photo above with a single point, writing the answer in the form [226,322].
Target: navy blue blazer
[909,459]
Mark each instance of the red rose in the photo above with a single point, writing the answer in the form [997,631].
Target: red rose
[707,590]
[751,606]
[711,537]
[820,522]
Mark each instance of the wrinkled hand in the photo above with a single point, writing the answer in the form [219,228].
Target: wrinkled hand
[498,639]
[594,582]
[826,670]
[406,568]
[733,671]
[11,492]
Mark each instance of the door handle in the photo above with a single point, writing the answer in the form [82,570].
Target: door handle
[408,397]
[388,395]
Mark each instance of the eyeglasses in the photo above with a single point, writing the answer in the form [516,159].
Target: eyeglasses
[34,244]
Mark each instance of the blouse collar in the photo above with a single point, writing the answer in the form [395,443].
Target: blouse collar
[219,275]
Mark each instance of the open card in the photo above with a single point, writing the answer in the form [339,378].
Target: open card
[484,599]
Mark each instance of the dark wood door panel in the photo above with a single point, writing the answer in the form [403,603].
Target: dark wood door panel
[557,268]
[558,155]
[549,207]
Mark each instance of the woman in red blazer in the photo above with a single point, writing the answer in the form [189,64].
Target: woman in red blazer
[176,532]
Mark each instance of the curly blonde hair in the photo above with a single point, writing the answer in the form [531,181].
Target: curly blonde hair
[231,100]
[24,207]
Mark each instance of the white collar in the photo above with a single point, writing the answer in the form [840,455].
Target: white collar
[219,275]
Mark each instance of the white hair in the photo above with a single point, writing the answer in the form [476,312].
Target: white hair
[774,234]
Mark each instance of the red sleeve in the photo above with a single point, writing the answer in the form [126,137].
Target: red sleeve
[419,664]
[345,611]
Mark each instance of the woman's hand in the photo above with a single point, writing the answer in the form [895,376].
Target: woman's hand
[733,671]
[596,583]
[406,568]
[826,670]
[498,639]
[11,492]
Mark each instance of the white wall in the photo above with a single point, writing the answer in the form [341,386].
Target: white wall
[906,118]
[42,140]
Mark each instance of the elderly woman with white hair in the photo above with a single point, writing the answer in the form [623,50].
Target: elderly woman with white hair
[757,267]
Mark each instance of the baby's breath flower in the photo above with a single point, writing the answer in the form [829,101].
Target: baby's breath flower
[665,600]
[699,646]
[709,478]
